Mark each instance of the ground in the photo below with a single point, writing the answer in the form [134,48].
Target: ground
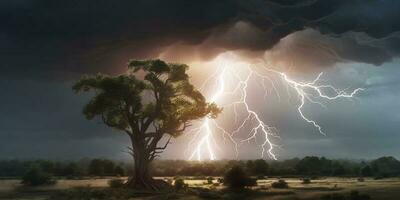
[385,189]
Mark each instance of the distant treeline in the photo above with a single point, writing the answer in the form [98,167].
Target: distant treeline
[85,167]
[308,166]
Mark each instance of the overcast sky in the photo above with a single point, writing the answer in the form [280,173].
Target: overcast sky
[45,46]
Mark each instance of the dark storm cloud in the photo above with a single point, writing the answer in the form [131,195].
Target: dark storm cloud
[46,44]
[60,39]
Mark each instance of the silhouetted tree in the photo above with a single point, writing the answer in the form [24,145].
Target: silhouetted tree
[260,167]
[386,166]
[96,167]
[36,176]
[366,171]
[119,171]
[164,102]
[236,178]
[72,170]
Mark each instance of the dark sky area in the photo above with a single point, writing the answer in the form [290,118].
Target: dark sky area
[46,45]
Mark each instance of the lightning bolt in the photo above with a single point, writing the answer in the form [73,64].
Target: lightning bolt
[203,140]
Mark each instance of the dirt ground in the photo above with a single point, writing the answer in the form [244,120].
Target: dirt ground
[385,189]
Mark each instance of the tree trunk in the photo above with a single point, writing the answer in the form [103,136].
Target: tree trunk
[142,178]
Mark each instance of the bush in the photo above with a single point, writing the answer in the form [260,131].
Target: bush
[220,180]
[116,183]
[179,184]
[251,182]
[236,178]
[306,181]
[260,177]
[35,176]
[280,184]
[210,180]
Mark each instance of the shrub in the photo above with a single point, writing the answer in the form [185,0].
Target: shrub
[210,180]
[236,178]
[119,171]
[220,180]
[306,181]
[116,183]
[179,184]
[35,176]
[280,184]
[260,177]
[251,182]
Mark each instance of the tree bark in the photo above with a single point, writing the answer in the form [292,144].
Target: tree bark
[142,178]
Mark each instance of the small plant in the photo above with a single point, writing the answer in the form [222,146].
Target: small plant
[116,183]
[306,181]
[220,180]
[210,180]
[361,179]
[280,184]
[35,177]
[179,184]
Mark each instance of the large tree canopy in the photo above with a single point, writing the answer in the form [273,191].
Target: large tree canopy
[152,99]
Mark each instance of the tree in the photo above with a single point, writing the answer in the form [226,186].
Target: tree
[366,171]
[119,171]
[386,166]
[260,167]
[96,167]
[162,103]
[236,178]
[36,176]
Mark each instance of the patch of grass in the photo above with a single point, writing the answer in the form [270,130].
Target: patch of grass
[89,193]
[354,195]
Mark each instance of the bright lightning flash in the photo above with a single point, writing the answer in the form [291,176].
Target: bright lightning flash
[204,141]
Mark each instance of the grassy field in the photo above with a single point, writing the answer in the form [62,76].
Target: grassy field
[384,189]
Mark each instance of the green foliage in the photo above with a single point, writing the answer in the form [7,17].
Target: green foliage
[236,178]
[103,167]
[366,171]
[280,184]
[312,165]
[257,167]
[386,166]
[121,101]
[35,177]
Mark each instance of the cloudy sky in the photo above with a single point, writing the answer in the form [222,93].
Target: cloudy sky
[46,45]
